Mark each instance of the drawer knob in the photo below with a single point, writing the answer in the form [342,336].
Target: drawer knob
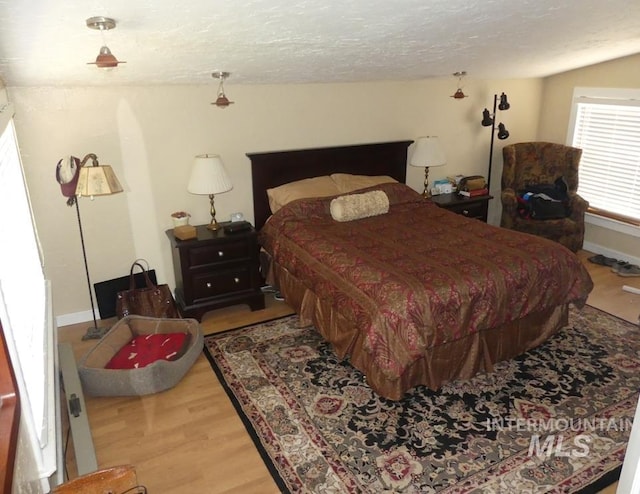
[237,280]
[220,253]
[209,285]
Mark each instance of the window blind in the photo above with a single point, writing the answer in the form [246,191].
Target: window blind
[608,132]
[23,307]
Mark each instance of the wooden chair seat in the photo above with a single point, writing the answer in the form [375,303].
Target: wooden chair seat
[114,480]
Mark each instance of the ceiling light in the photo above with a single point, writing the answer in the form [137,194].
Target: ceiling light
[105,58]
[459,94]
[222,101]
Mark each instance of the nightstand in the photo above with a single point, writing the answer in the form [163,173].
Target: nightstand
[471,207]
[216,270]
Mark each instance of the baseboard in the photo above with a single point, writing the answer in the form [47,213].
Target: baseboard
[598,249]
[74,318]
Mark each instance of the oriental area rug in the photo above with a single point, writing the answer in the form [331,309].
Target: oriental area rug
[556,419]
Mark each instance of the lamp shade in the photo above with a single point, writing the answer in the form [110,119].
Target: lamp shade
[97,180]
[427,152]
[106,59]
[208,175]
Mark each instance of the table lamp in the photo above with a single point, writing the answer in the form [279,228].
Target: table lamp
[427,153]
[209,177]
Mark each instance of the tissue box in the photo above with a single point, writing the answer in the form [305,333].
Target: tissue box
[442,186]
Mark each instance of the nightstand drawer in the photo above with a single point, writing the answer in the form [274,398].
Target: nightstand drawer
[471,207]
[212,284]
[207,255]
[477,210]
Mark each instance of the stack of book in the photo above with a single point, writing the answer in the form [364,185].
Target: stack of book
[474,193]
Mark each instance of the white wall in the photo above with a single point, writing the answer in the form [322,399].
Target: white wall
[151,134]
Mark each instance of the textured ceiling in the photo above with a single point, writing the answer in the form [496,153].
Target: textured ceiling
[46,42]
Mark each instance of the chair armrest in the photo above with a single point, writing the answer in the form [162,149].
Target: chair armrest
[509,202]
[578,207]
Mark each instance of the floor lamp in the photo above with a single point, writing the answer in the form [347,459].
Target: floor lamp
[94,180]
[489,120]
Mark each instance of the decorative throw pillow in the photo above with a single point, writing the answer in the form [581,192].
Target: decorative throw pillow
[357,206]
[348,183]
[146,349]
[321,186]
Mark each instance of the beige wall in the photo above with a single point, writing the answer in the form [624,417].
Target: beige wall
[554,120]
[151,134]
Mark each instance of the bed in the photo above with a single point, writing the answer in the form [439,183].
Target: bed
[415,296]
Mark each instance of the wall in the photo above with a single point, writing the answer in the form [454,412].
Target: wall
[554,120]
[151,134]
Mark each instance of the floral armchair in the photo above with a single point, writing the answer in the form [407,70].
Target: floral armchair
[529,163]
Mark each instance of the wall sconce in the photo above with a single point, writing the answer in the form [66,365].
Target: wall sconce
[459,94]
[222,101]
[105,59]
[489,120]
[209,177]
[427,153]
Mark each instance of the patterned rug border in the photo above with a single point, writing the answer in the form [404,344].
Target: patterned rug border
[275,475]
[599,484]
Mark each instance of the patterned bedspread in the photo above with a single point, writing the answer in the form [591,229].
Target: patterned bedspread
[420,276]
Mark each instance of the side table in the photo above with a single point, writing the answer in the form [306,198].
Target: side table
[216,270]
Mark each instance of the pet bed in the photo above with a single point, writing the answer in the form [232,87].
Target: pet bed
[157,376]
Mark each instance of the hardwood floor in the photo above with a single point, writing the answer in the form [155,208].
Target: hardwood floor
[608,294]
[190,439]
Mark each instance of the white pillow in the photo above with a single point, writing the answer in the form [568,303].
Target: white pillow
[357,206]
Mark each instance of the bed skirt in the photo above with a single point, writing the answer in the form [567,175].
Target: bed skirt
[460,359]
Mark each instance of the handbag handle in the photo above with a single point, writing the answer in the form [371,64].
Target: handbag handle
[140,260]
[132,280]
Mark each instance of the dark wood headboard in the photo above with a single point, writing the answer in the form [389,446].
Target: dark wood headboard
[275,168]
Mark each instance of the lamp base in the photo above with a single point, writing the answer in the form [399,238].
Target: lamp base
[426,193]
[213,224]
[94,333]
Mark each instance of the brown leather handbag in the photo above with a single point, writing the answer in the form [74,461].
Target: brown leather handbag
[152,300]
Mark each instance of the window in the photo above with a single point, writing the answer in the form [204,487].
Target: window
[25,314]
[605,124]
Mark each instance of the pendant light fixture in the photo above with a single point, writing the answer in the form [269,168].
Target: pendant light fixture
[105,59]
[459,94]
[222,101]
